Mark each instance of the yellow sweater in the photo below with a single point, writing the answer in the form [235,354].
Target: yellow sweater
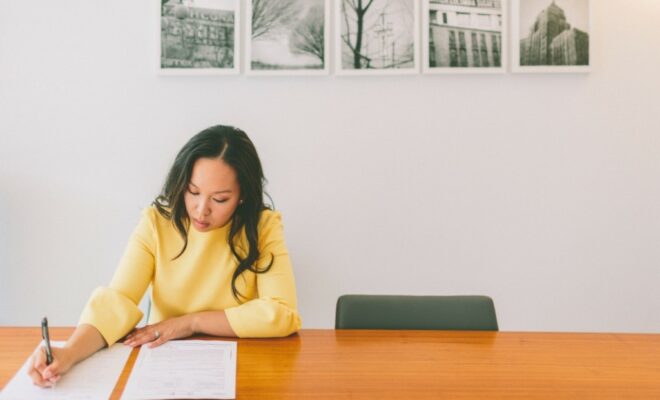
[199,280]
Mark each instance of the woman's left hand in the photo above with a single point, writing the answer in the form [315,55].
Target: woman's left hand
[157,334]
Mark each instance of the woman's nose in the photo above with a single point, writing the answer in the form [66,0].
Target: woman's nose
[203,208]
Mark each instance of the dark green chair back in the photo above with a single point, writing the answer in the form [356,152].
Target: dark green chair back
[416,312]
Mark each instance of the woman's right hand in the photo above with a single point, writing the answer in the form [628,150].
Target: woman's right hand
[46,375]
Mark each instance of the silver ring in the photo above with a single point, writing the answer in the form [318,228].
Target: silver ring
[156,335]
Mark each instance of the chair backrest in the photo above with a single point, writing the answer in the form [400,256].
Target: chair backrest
[416,312]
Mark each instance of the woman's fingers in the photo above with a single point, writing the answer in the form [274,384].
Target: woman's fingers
[39,359]
[142,336]
[38,380]
[157,334]
[161,339]
[38,367]
[130,334]
[46,375]
[52,372]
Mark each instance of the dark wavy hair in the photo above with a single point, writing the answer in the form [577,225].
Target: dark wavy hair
[232,146]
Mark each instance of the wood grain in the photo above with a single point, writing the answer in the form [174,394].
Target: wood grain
[361,364]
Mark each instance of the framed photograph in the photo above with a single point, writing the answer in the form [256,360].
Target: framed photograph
[551,36]
[199,37]
[287,37]
[375,37]
[464,36]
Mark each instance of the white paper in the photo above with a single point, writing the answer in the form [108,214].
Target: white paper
[184,369]
[93,378]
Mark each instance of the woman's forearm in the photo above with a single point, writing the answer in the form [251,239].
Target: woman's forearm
[85,341]
[214,323]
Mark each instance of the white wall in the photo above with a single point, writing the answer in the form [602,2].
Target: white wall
[542,191]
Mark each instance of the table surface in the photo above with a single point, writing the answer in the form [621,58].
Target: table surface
[364,364]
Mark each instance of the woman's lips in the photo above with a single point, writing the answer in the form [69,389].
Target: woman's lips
[200,224]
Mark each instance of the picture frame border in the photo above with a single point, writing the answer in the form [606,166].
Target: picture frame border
[337,47]
[504,55]
[288,72]
[235,70]
[558,69]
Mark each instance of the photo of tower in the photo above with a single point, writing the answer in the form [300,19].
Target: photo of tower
[557,32]
[376,36]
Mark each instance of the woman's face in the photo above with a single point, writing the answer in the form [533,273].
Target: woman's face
[213,194]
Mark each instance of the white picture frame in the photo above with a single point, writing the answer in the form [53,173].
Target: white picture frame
[275,51]
[199,38]
[466,38]
[568,46]
[395,38]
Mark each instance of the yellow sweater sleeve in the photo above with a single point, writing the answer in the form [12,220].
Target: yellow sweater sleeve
[114,310]
[274,312]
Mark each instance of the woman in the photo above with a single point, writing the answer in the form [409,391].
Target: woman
[212,252]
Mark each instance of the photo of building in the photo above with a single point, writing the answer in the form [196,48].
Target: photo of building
[557,35]
[464,34]
[196,36]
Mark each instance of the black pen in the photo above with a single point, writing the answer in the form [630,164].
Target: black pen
[46,336]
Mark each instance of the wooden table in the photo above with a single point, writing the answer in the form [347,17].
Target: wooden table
[421,364]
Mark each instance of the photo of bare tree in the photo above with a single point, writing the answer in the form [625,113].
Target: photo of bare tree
[551,36]
[199,36]
[287,37]
[376,36]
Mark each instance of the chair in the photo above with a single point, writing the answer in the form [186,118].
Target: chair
[416,312]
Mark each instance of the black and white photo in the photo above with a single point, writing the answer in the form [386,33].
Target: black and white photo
[551,36]
[463,36]
[199,36]
[376,36]
[287,37]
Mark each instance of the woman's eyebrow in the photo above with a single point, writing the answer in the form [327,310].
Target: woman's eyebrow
[216,192]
